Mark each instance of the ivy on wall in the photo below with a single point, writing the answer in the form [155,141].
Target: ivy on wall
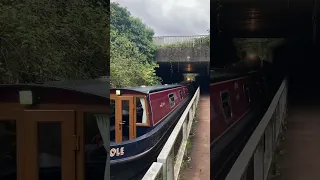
[189,49]
[260,46]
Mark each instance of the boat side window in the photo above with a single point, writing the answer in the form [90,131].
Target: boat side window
[226,105]
[112,120]
[95,144]
[8,150]
[180,92]
[247,92]
[141,115]
[171,99]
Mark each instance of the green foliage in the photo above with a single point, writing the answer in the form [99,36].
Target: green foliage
[134,29]
[52,40]
[132,50]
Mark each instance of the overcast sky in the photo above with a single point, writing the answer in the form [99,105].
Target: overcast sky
[172,17]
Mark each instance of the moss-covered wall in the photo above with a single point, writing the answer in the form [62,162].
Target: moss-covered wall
[183,49]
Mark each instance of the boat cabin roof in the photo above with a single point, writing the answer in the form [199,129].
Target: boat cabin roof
[149,89]
[217,75]
[96,87]
[92,91]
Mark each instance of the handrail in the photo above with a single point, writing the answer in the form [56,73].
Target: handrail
[154,171]
[170,167]
[259,149]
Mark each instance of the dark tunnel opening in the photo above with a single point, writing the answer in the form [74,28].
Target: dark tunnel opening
[174,72]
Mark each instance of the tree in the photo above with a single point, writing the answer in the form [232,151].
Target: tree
[132,50]
[134,29]
[53,40]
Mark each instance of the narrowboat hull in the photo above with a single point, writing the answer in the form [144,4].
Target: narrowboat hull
[230,137]
[225,150]
[141,152]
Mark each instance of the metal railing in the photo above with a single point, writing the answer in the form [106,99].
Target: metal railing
[255,160]
[170,159]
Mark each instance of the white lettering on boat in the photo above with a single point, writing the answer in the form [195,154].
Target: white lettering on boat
[117,152]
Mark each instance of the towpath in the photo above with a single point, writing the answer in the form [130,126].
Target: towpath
[301,159]
[199,167]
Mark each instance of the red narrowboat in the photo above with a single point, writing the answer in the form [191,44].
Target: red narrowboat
[235,102]
[140,122]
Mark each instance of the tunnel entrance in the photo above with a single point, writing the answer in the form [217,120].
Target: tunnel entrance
[176,72]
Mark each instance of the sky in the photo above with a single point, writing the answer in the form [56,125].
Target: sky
[172,17]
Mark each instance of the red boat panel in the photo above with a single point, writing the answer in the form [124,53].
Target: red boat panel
[160,104]
[238,102]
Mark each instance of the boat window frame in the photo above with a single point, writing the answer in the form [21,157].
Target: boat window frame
[15,111]
[135,124]
[248,96]
[110,112]
[147,124]
[180,94]
[132,130]
[80,122]
[174,103]
[80,131]
[229,102]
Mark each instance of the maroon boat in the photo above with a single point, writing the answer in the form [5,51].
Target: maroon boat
[235,102]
